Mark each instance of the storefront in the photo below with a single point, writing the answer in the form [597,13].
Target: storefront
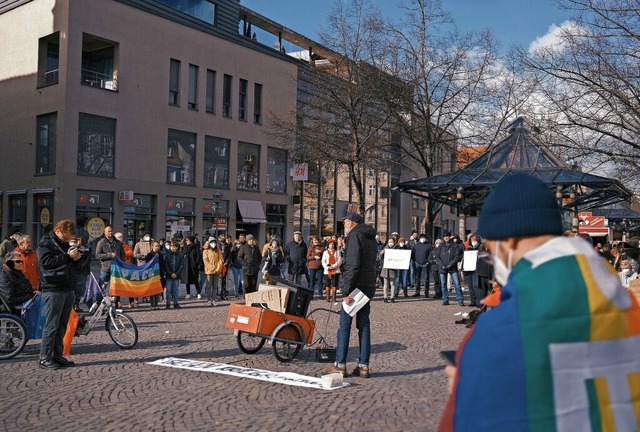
[249,214]
[94,211]
[276,221]
[180,217]
[42,221]
[139,216]
[17,211]
[215,218]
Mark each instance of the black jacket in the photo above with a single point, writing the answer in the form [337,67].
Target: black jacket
[448,255]
[296,256]
[420,253]
[15,288]
[250,257]
[360,261]
[58,272]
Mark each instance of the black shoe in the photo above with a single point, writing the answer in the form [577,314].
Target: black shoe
[48,364]
[167,306]
[426,296]
[63,362]
[445,303]
[393,300]
[416,295]
[437,297]
[405,294]
[176,306]
[386,300]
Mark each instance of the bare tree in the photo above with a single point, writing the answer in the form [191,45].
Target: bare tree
[590,81]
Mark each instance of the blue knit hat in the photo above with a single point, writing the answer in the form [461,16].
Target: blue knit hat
[520,205]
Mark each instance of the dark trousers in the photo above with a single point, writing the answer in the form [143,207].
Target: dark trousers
[57,307]
[250,283]
[420,269]
[435,275]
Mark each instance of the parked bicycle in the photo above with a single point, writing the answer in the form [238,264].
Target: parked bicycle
[120,326]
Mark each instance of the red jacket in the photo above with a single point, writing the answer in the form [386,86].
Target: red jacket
[312,252]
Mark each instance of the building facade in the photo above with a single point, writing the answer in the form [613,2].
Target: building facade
[144,115]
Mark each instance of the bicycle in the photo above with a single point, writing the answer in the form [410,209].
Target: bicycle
[120,326]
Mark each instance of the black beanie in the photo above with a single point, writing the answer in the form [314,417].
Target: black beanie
[520,205]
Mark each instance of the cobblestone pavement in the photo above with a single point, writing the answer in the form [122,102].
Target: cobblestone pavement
[112,389]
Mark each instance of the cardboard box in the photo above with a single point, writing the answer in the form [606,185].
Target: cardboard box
[267,294]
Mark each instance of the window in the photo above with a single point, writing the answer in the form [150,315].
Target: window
[99,65]
[216,161]
[46,144]
[226,95]
[211,91]
[96,145]
[276,170]
[371,190]
[193,87]
[257,103]
[242,100]
[248,166]
[181,150]
[174,82]
[48,60]
[204,10]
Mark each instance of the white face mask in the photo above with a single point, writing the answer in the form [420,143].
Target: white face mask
[500,270]
[401,244]
[391,244]
[626,272]
[474,244]
[146,238]
[423,240]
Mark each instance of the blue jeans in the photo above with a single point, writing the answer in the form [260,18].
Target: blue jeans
[420,270]
[237,279]
[456,284]
[364,336]
[315,278]
[172,290]
[401,281]
[105,275]
[412,273]
[56,309]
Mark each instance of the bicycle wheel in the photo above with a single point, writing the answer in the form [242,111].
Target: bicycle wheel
[122,330]
[249,343]
[13,336]
[287,343]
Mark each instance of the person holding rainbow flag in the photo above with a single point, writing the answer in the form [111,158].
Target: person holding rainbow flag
[561,352]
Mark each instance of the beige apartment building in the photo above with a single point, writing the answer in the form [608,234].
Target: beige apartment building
[144,115]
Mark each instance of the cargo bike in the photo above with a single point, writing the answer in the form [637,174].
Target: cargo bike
[15,328]
[287,332]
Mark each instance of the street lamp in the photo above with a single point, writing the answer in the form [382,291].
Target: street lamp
[461,217]
[217,198]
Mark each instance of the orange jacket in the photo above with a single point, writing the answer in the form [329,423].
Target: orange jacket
[128,253]
[30,267]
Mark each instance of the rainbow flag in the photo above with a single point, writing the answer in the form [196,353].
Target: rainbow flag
[130,280]
[561,352]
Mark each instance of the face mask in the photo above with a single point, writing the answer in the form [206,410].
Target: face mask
[73,244]
[146,238]
[474,244]
[391,244]
[423,240]
[167,247]
[401,244]
[501,271]
[214,245]
[626,272]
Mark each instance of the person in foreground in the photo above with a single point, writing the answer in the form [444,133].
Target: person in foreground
[561,352]
[58,272]
[359,272]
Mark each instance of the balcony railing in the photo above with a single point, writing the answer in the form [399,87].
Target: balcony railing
[99,80]
[50,77]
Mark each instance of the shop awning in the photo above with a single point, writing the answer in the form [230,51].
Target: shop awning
[251,211]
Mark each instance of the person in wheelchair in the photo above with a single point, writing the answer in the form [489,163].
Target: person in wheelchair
[15,288]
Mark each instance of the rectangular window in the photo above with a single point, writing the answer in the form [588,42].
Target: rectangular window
[99,62]
[226,95]
[174,82]
[257,103]
[216,161]
[211,91]
[242,100]
[181,151]
[248,166]
[193,87]
[46,144]
[48,60]
[204,10]
[276,170]
[96,145]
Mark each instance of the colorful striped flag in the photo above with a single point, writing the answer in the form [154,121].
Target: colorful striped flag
[131,280]
[561,352]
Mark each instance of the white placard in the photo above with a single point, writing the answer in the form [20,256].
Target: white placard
[469,260]
[398,259]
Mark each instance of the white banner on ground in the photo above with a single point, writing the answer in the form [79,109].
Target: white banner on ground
[259,374]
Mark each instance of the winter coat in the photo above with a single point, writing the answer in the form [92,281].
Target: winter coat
[296,256]
[250,258]
[213,261]
[448,255]
[191,263]
[325,261]
[312,251]
[58,272]
[272,260]
[387,273]
[174,264]
[161,263]
[15,288]
[360,261]
[30,266]
[105,248]
[141,250]
[420,253]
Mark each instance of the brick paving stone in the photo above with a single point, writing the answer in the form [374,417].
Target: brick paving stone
[113,389]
